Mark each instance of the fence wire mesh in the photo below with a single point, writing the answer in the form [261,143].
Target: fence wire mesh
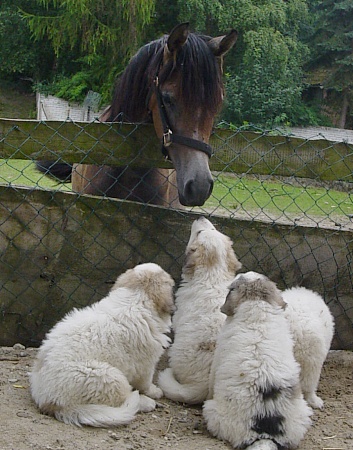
[286,203]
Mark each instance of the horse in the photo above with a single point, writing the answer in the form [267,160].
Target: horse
[176,83]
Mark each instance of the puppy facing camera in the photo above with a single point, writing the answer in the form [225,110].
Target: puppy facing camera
[255,395]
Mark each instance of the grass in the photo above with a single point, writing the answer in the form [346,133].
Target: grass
[17,100]
[229,193]
[19,172]
[279,197]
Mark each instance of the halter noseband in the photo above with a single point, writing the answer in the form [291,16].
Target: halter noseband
[168,136]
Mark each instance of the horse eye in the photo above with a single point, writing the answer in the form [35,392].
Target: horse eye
[168,100]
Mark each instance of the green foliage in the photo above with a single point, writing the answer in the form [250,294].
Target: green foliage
[332,42]
[105,27]
[98,35]
[22,60]
[331,62]
[74,88]
[265,85]
[203,15]
[82,45]
[264,79]
[18,54]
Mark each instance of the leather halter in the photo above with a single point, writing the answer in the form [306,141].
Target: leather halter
[168,136]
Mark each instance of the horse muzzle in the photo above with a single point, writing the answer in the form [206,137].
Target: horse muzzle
[195,193]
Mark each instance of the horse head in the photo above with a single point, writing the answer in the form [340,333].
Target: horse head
[186,94]
[177,82]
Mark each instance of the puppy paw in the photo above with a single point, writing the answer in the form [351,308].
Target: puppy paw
[314,401]
[154,391]
[263,444]
[146,404]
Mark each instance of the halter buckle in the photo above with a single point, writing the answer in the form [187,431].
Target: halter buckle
[167,138]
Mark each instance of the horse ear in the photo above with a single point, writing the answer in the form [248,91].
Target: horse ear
[222,44]
[177,37]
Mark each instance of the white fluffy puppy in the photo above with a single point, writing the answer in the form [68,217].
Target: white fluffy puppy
[209,267]
[254,383]
[90,362]
[312,325]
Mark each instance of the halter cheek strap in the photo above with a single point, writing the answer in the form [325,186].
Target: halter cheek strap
[168,136]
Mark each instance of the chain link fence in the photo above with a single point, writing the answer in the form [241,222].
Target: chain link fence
[286,202]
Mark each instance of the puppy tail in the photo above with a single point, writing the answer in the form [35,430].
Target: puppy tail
[101,415]
[184,393]
[263,444]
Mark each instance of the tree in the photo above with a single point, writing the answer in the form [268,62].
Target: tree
[19,56]
[332,41]
[93,24]
[264,79]
[269,76]
[268,81]
[100,34]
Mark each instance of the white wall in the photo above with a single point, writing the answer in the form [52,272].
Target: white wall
[54,108]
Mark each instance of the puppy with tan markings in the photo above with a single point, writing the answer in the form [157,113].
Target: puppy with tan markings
[312,326]
[209,267]
[255,396]
[92,360]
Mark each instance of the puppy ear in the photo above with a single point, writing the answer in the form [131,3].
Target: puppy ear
[159,289]
[201,254]
[272,294]
[244,289]
[124,280]
[158,286]
[233,264]
[236,296]
[229,305]
[278,300]
[190,261]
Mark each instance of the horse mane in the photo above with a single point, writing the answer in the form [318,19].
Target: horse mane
[201,79]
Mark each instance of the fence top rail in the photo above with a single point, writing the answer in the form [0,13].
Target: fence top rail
[236,151]
[328,133]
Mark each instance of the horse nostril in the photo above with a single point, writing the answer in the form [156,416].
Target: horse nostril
[195,196]
[189,189]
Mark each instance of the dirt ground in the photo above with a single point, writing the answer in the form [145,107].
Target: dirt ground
[171,425]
